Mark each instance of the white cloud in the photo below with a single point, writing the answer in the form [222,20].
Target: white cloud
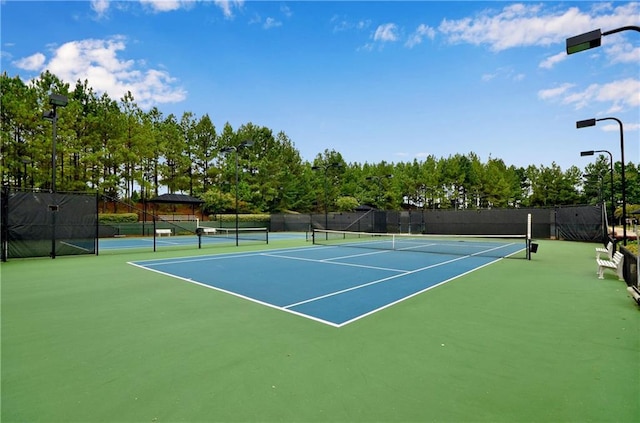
[31,63]
[158,6]
[341,23]
[227,6]
[271,23]
[417,36]
[99,63]
[286,11]
[552,93]
[619,94]
[488,76]
[504,73]
[526,25]
[366,47]
[615,127]
[386,33]
[550,62]
[619,51]
[100,6]
[623,92]
[162,5]
[166,5]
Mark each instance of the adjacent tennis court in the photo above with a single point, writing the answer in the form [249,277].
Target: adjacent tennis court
[340,283]
[223,237]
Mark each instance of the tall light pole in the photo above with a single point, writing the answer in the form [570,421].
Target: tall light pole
[592,122]
[55,100]
[227,150]
[325,168]
[25,162]
[613,201]
[593,39]
[588,41]
[143,188]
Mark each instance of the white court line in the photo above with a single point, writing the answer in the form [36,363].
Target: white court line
[369,313]
[329,261]
[157,262]
[353,288]
[221,256]
[235,294]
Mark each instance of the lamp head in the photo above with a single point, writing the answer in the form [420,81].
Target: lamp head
[584,41]
[58,100]
[49,115]
[587,153]
[585,123]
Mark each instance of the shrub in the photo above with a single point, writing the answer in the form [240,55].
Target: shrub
[632,247]
[242,217]
[117,217]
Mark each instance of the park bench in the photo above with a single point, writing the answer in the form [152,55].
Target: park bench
[207,231]
[161,232]
[608,251]
[614,264]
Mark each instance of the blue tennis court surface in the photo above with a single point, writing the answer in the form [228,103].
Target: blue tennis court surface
[329,284]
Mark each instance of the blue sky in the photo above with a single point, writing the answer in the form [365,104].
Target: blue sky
[374,81]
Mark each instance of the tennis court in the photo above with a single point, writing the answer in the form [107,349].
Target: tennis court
[224,236]
[95,339]
[338,284]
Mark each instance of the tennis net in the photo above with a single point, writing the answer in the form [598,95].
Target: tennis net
[500,246]
[244,235]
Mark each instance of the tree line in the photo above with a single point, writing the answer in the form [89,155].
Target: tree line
[123,152]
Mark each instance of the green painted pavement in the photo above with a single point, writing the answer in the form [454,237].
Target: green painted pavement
[93,339]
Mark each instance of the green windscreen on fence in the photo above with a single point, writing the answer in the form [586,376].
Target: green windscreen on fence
[40,224]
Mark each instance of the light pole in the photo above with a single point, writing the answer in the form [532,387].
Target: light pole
[227,150]
[25,162]
[613,202]
[55,100]
[588,41]
[143,188]
[592,122]
[593,39]
[325,168]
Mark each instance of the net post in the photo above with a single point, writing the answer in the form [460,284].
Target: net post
[154,233]
[4,223]
[97,240]
[528,240]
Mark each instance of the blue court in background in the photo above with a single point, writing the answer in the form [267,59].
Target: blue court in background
[329,284]
[126,243]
